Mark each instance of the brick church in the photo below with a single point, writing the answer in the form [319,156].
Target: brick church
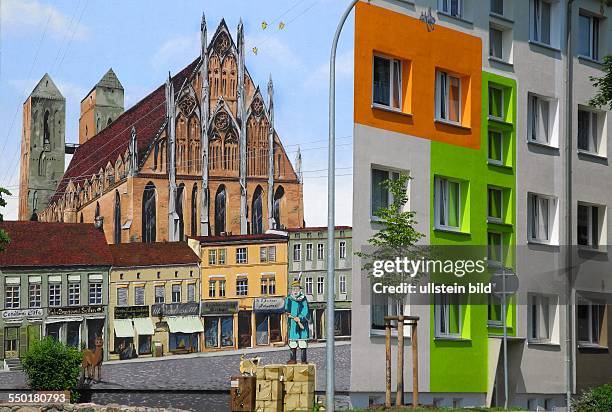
[197,156]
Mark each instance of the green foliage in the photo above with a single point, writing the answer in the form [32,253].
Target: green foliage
[397,236]
[597,399]
[51,365]
[603,85]
[4,239]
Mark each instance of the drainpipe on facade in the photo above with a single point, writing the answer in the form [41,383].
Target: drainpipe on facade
[569,347]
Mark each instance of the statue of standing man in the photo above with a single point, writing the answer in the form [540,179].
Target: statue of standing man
[296,307]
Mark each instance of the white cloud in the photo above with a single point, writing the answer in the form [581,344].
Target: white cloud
[20,16]
[315,201]
[177,50]
[11,211]
[271,52]
[320,76]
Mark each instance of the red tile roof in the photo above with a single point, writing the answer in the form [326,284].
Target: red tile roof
[147,116]
[41,244]
[264,237]
[153,254]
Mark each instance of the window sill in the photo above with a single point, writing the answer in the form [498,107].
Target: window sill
[453,124]
[380,333]
[542,243]
[589,249]
[543,344]
[497,222]
[500,61]
[390,110]
[501,17]
[451,338]
[458,18]
[496,164]
[495,324]
[545,46]
[541,144]
[499,121]
[586,154]
[592,346]
[590,61]
[451,230]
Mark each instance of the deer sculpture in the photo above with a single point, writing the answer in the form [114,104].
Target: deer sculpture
[92,360]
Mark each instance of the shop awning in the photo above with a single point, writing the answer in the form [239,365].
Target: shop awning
[185,324]
[144,326]
[124,328]
[62,320]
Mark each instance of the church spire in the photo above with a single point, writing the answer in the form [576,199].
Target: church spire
[271,223]
[203,37]
[298,165]
[205,108]
[170,128]
[243,130]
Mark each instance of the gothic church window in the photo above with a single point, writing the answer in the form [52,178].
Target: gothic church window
[117,217]
[149,214]
[46,131]
[220,205]
[194,211]
[179,210]
[278,199]
[257,208]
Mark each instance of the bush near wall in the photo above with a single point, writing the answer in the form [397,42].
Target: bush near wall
[598,399]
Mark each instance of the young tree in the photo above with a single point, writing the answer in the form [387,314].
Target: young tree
[4,239]
[603,85]
[397,237]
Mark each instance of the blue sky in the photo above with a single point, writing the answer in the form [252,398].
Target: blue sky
[76,41]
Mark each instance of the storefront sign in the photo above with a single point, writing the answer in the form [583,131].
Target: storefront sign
[22,313]
[176,309]
[76,310]
[131,312]
[269,304]
[224,307]
[316,305]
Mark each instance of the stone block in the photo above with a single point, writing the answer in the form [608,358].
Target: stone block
[274,372]
[300,373]
[269,390]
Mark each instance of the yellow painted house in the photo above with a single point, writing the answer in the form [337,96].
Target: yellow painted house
[154,300]
[244,286]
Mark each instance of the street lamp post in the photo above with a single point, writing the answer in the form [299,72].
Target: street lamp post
[331,191]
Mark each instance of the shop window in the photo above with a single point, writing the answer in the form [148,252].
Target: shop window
[54,331]
[176,293]
[447,313]
[447,199]
[74,293]
[35,295]
[139,295]
[342,323]
[218,331]
[262,329]
[12,296]
[95,327]
[55,294]
[387,82]
[588,36]
[11,342]
[144,344]
[184,342]
[122,296]
[73,334]
[242,286]
[448,97]
[160,292]
[241,255]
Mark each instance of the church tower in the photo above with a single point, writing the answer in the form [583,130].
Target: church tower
[42,147]
[101,106]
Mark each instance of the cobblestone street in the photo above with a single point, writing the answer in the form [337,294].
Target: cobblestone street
[204,378]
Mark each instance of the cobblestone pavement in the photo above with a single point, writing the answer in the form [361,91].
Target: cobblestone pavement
[196,373]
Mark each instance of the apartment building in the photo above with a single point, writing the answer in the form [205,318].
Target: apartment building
[307,262]
[244,280]
[473,101]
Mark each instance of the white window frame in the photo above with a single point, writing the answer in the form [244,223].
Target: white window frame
[297,252]
[540,307]
[222,288]
[535,24]
[443,301]
[342,249]
[176,287]
[445,6]
[55,294]
[242,255]
[162,295]
[309,251]
[392,310]
[95,292]
[212,288]
[502,105]
[500,252]
[600,240]
[594,137]
[392,174]
[491,45]
[263,254]
[140,295]
[242,286]
[121,300]
[212,257]
[490,160]
[438,182]
[221,256]
[342,284]
[591,307]
[320,251]
[74,293]
[535,214]
[394,65]
[308,285]
[445,76]
[594,36]
[501,204]
[34,295]
[320,285]
[536,117]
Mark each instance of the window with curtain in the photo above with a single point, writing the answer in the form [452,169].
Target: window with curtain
[447,198]
[448,97]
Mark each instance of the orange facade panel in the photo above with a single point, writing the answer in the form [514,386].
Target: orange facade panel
[423,56]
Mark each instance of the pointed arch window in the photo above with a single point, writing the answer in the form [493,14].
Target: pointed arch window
[194,211]
[149,214]
[97,216]
[46,130]
[42,165]
[117,222]
[278,200]
[179,211]
[81,219]
[220,205]
[257,208]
